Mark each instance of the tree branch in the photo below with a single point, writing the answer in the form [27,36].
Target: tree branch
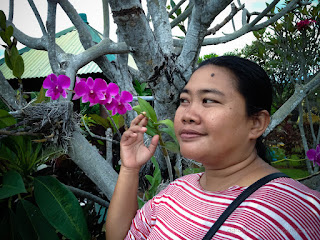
[36,13]
[98,137]
[182,16]
[245,29]
[35,43]
[93,164]
[81,193]
[292,103]
[106,20]
[264,12]
[51,26]
[136,32]
[106,46]
[11,6]
[234,11]
[8,94]
[161,25]
[203,14]
[86,40]
[176,7]
[292,5]
[84,34]
[19,133]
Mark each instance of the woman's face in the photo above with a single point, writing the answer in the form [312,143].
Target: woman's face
[211,123]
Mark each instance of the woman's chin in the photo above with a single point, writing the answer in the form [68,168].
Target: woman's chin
[191,155]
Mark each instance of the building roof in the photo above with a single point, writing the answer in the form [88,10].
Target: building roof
[36,62]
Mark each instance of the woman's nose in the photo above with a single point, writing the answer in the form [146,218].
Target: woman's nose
[191,115]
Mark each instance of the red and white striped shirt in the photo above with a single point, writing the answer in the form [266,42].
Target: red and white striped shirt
[281,209]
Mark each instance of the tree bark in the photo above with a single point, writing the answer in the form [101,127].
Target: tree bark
[93,164]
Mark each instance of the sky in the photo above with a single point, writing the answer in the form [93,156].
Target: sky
[25,20]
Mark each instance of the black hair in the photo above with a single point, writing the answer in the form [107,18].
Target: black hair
[253,84]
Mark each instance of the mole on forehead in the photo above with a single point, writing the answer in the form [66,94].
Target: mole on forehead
[212,74]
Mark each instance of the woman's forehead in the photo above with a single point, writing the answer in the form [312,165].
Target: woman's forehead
[209,76]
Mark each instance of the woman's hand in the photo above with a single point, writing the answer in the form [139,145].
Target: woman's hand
[133,152]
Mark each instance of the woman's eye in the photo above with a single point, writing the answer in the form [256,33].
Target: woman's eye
[205,100]
[183,100]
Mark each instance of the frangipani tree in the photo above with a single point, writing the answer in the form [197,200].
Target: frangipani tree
[289,51]
[164,62]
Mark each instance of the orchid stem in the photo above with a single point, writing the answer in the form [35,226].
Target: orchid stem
[163,149]
[113,123]
[96,136]
[166,156]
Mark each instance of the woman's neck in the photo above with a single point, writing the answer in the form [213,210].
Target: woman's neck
[243,173]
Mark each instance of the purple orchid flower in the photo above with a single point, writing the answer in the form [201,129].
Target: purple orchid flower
[78,80]
[121,104]
[56,86]
[314,155]
[112,105]
[112,90]
[91,91]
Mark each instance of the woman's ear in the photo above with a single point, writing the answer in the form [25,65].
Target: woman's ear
[260,122]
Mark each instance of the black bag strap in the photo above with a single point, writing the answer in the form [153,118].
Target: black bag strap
[246,193]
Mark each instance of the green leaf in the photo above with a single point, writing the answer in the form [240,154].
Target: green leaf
[262,31]
[172,3]
[6,119]
[8,225]
[261,50]
[41,97]
[118,120]
[170,132]
[7,59]
[100,142]
[140,202]
[14,53]
[150,179]
[256,34]
[100,120]
[32,224]
[154,180]
[137,108]
[151,130]
[167,122]
[2,20]
[146,107]
[12,185]
[18,67]
[172,146]
[60,207]
[5,38]
[9,32]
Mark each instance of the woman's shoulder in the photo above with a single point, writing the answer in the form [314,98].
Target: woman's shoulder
[288,190]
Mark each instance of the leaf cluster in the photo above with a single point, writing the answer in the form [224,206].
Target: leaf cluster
[48,209]
[34,207]
[11,55]
[155,127]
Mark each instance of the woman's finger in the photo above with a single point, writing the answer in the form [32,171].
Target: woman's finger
[133,132]
[138,119]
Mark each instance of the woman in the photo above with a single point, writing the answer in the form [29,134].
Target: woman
[224,109]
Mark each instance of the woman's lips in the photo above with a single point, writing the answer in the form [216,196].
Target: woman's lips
[190,134]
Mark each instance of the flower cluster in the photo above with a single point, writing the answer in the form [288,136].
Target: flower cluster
[94,91]
[304,24]
[98,91]
[314,155]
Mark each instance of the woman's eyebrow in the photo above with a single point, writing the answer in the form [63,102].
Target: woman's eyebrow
[203,91]
[211,90]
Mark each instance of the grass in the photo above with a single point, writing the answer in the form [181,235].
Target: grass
[294,172]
